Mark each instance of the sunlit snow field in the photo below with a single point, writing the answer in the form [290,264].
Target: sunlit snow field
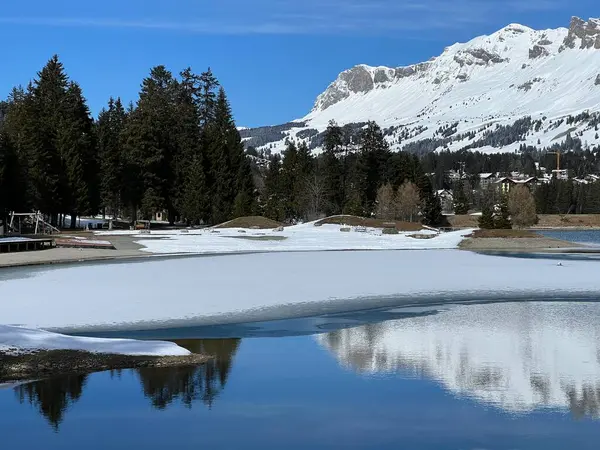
[303,237]
[189,291]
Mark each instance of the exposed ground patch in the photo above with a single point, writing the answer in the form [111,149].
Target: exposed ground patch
[45,364]
[257,222]
[356,221]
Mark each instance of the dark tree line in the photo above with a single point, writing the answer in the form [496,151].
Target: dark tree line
[176,150]
[344,179]
[567,197]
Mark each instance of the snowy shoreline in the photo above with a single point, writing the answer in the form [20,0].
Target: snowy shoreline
[26,354]
[19,340]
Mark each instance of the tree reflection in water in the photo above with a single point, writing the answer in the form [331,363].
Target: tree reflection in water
[190,384]
[53,397]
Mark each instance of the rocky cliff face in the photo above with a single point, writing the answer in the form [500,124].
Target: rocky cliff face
[583,34]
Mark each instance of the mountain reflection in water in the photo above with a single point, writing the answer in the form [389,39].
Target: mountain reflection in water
[162,386]
[519,357]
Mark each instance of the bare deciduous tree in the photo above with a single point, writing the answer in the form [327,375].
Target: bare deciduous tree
[521,205]
[315,191]
[408,201]
[386,202]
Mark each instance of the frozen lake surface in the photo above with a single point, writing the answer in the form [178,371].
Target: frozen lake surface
[183,292]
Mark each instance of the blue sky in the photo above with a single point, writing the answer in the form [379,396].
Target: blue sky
[272,56]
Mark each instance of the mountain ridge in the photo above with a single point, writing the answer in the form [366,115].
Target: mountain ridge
[495,79]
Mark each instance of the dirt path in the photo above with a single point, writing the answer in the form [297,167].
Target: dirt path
[124,245]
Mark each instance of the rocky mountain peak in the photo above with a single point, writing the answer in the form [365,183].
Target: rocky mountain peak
[583,34]
[363,79]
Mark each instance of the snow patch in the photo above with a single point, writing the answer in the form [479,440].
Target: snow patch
[304,237]
[19,340]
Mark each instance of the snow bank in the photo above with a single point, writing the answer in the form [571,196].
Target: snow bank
[200,290]
[305,237]
[17,340]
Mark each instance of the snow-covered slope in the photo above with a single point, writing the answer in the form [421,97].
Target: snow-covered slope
[471,87]
[519,357]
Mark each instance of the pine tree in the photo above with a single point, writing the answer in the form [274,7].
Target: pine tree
[334,168]
[15,193]
[133,162]
[432,211]
[226,153]
[592,199]
[9,186]
[461,202]
[245,199]
[190,191]
[305,170]
[151,145]
[431,204]
[502,219]
[43,107]
[76,145]
[195,202]
[289,178]
[486,221]
[207,97]
[374,154]
[109,130]
[273,205]
[331,168]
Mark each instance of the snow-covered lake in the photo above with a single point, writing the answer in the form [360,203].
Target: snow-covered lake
[191,291]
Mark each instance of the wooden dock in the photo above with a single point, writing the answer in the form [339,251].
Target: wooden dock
[15,245]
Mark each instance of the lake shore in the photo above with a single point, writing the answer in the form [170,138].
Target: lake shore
[127,247]
[520,244]
[124,248]
[47,364]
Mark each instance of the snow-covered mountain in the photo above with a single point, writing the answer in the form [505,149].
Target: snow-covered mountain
[469,96]
[519,357]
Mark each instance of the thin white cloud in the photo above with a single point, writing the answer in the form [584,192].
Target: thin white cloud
[186,27]
[280,25]
[314,17]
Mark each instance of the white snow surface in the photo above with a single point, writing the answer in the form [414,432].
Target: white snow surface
[17,340]
[199,290]
[304,237]
[517,356]
[488,81]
